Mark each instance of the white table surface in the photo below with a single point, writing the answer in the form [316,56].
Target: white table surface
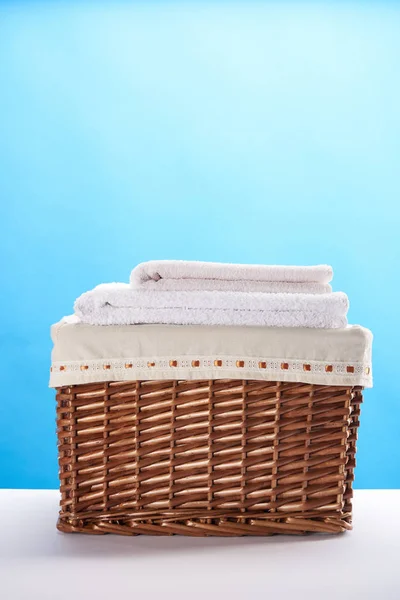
[36,561]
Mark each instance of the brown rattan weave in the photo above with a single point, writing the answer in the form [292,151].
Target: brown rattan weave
[221,457]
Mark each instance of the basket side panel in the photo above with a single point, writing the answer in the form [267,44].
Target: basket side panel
[354,423]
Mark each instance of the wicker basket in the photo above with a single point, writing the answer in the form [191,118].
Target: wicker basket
[201,458]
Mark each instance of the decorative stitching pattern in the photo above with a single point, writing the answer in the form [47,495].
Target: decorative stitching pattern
[221,363]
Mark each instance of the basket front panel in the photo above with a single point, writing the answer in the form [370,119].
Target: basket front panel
[146,450]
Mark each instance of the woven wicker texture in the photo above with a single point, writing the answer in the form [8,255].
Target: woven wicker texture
[222,457]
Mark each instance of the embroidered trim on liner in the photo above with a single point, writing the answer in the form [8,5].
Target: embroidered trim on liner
[217,363]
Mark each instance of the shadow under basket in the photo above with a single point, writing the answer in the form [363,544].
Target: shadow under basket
[204,458]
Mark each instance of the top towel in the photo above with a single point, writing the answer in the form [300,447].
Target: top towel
[177,275]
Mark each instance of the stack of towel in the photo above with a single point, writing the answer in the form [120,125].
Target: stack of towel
[197,293]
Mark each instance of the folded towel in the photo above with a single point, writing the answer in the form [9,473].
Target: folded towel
[119,304]
[176,275]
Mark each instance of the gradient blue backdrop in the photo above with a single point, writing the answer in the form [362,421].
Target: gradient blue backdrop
[226,131]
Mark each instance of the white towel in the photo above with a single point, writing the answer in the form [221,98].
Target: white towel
[177,275]
[119,304]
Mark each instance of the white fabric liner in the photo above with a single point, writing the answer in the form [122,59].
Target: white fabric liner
[85,353]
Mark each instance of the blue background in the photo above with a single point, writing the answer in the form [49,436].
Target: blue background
[226,131]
